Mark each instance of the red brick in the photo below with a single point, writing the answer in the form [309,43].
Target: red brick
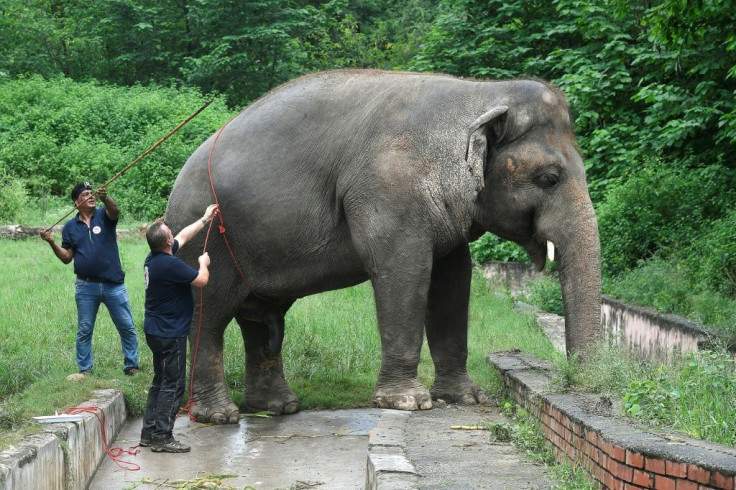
[613,483]
[664,483]
[719,480]
[655,465]
[676,469]
[548,433]
[686,485]
[577,428]
[591,437]
[703,487]
[629,486]
[618,453]
[698,474]
[643,478]
[634,459]
[567,434]
[606,447]
[591,452]
[599,473]
[620,471]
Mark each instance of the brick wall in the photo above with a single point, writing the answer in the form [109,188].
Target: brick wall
[585,431]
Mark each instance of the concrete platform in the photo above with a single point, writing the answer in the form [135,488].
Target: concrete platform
[309,449]
[342,449]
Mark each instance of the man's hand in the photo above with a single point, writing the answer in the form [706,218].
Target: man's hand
[203,276]
[111,207]
[211,210]
[65,255]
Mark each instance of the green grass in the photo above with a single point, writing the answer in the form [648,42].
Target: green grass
[331,349]
[693,393]
[669,287]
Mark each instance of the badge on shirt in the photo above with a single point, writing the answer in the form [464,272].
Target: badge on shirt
[145,276]
[96,230]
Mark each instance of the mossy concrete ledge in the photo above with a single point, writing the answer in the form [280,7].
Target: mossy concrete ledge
[388,468]
[66,454]
[585,430]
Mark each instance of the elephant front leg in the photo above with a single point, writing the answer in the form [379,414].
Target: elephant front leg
[265,384]
[401,298]
[210,397]
[447,329]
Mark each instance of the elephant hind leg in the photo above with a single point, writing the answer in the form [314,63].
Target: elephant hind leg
[265,384]
[209,400]
[275,322]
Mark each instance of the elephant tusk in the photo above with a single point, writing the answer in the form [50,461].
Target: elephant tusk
[550,251]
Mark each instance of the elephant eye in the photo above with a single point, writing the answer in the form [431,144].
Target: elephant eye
[548,180]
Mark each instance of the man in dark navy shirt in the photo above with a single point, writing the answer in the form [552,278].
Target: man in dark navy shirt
[90,240]
[169,311]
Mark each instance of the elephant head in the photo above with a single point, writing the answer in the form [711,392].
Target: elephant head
[534,192]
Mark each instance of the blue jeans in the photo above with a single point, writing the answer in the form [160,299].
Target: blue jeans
[167,387]
[88,296]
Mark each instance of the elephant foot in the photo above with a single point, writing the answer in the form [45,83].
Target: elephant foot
[277,406]
[267,390]
[397,397]
[215,413]
[460,391]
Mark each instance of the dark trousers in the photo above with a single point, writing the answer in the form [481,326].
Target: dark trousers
[167,388]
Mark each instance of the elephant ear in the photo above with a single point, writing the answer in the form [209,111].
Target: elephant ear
[477,145]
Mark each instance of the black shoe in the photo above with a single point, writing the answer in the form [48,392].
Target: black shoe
[131,372]
[86,372]
[145,441]
[173,446]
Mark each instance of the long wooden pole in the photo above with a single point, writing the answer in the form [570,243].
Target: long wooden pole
[140,157]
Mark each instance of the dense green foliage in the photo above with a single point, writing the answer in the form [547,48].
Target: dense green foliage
[86,86]
[58,132]
[240,49]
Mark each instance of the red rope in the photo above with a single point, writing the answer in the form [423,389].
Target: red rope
[221,228]
[113,452]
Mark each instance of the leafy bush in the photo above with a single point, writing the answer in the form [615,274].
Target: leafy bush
[490,248]
[546,294]
[13,197]
[714,256]
[658,209]
[54,133]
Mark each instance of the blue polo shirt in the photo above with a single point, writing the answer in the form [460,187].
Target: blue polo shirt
[169,303]
[95,247]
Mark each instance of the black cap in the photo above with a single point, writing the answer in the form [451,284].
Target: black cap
[79,188]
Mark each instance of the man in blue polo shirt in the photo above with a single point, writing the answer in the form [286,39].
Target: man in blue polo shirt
[89,239]
[169,311]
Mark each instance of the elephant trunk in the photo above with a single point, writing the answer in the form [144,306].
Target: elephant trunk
[579,264]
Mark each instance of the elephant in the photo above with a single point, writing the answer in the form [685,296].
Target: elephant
[340,177]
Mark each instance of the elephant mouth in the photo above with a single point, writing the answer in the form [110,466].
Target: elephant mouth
[539,251]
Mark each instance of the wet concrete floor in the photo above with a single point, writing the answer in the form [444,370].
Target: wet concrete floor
[329,450]
[324,449]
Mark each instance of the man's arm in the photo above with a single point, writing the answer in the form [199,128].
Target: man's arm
[190,231]
[111,207]
[204,272]
[64,254]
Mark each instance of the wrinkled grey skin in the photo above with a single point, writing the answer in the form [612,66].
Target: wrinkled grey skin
[341,177]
